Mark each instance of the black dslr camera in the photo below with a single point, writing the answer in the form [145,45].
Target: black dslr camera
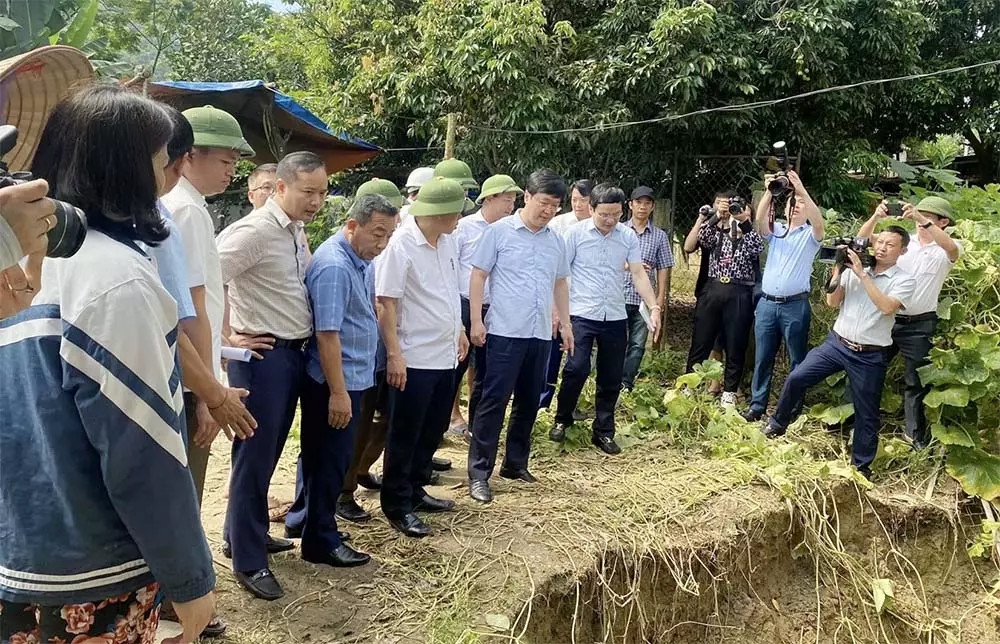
[834,251]
[780,186]
[736,206]
[70,229]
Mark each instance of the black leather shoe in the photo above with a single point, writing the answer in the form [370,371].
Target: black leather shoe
[606,445]
[343,557]
[440,464]
[351,511]
[517,475]
[344,536]
[773,431]
[752,415]
[557,433]
[428,503]
[480,491]
[261,583]
[411,525]
[273,546]
[370,481]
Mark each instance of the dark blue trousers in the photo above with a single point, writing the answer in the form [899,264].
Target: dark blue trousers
[324,459]
[551,373]
[865,375]
[773,323]
[611,339]
[418,419]
[275,384]
[476,358]
[517,366]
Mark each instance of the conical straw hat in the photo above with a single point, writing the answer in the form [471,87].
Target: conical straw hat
[30,86]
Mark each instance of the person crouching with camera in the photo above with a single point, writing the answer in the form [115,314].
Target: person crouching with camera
[783,314]
[868,299]
[929,258]
[726,304]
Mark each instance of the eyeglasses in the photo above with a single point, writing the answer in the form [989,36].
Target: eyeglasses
[266,188]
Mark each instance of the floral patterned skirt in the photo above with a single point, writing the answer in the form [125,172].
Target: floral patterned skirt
[127,619]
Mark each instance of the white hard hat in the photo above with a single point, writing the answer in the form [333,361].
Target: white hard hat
[419,177]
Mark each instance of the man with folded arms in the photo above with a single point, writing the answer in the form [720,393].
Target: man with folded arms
[416,283]
[525,263]
[868,299]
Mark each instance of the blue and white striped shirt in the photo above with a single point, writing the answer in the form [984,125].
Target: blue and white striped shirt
[341,296]
[93,465]
[597,264]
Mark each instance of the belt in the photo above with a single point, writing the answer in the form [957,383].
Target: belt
[923,317]
[791,298]
[858,348]
[294,345]
[725,279]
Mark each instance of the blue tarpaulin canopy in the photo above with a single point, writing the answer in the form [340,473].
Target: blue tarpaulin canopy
[273,123]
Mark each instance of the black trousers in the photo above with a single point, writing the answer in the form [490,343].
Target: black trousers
[275,384]
[914,340]
[517,366]
[325,458]
[611,340]
[725,308]
[476,358]
[418,419]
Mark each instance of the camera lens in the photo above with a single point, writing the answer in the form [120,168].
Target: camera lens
[778,185]
[70,230]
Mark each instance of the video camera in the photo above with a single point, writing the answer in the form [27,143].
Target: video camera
[70,229]
[780,186]
[834,251]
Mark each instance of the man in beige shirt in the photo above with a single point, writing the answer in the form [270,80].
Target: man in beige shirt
[263,264]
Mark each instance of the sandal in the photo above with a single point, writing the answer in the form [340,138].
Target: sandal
[215,628]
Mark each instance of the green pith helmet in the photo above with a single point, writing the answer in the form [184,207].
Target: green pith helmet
[382,187]
[497,185]
[215,128]
[458,171]
[439,196]
[937,206]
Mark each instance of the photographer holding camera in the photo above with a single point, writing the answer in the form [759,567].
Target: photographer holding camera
[783,313]
[868,299]
[726,303]
[929,258]
[26,217]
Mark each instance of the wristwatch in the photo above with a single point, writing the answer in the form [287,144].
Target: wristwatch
[927,225]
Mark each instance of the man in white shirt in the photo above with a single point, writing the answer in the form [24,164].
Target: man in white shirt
[868,299]
[218,145]
[420,319]
[264,265]
[496,202]
[929,258]
[579,199]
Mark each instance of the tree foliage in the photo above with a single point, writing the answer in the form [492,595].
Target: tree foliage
[390,70]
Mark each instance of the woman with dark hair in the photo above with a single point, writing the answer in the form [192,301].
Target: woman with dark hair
[98,508]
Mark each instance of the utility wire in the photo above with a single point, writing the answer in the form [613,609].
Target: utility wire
[740,107]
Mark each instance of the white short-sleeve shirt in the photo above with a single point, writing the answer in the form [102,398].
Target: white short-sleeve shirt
[424,280]
[929,265]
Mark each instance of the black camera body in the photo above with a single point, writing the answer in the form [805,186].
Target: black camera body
[834,251]
[736,206]
[779,186]
[67,235]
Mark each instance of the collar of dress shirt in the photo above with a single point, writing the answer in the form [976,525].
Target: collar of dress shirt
[191,191]
[358,262]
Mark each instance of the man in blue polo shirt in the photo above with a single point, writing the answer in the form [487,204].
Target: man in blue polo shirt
[783,312]
[340,368]
[525,262]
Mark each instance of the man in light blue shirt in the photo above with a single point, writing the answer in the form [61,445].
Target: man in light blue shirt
[496,201]
[170,265]
[599,251]
[340,368]
[525,262]
[783,312]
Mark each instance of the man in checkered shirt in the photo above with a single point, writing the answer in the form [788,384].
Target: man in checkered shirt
[658,259]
